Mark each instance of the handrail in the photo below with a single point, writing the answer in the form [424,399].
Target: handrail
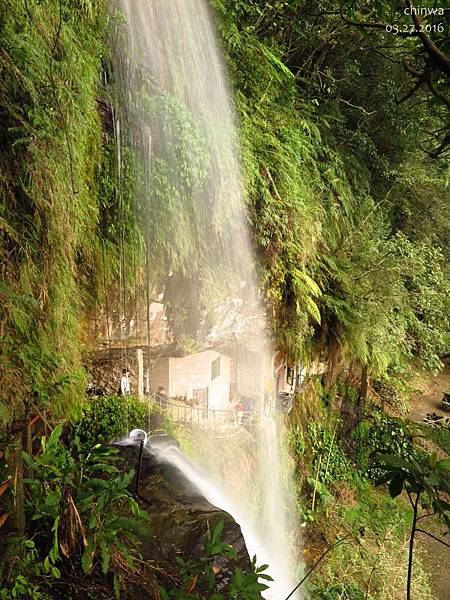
[167,402]
[202,417]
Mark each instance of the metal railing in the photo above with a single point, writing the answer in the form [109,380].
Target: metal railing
[201,417]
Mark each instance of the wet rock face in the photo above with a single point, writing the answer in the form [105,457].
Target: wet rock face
[180,517]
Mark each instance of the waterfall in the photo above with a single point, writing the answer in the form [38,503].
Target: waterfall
[178,122]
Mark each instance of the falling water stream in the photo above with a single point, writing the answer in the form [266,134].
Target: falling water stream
[177,117]
[265,551]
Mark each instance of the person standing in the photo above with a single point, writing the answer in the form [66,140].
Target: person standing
[125,383]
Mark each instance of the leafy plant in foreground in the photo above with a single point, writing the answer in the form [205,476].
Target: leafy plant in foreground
[198,578]
[22,584]
[426,484]
[81,505]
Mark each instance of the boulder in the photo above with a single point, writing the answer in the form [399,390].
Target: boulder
[180,516]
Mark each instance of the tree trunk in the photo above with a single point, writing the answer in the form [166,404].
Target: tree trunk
[411,547]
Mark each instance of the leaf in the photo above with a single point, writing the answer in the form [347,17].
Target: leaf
[432,480]
[395,462]
[432,459]
[106,556]
[313,310]
[310,283]
[217,532]
[102,468]
[56,573]
[88,557]
[265,576]
[237,578]
[117,586]
[441,506]
[274,60]
[54,552]
[396,486]
[164,594]
[54,436]
[444,465]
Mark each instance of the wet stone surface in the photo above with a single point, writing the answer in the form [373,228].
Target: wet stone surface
[180,516]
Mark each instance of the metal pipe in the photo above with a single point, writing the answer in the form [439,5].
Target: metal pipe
[138,475]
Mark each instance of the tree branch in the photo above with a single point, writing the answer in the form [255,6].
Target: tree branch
[372,25]
[434,537]
[358,107]
[445,99]
[440,149]
[437,56]
[411,92]
[426,515]
[316,564]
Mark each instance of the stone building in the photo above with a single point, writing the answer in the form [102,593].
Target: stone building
[204,377]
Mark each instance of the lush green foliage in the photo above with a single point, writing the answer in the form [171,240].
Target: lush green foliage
[60,233]
[379,433]
[421,35]
[338,472]
[106,418]
[349,216]
[50,134]
[337,191]
[22,581]
[70,480]
[329,462]
[372,563]
[83,516]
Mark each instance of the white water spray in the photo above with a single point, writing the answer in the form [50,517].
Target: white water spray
[177,118]
[268,551]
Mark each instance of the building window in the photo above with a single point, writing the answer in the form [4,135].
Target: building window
[215,368]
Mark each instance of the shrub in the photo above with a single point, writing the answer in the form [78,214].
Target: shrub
[328,464]
[334,464]
[340,592]
[439,435]
[379,433]
[198,578]
[84,518]
[106,418]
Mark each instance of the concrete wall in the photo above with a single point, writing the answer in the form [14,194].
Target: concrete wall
[181,376]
